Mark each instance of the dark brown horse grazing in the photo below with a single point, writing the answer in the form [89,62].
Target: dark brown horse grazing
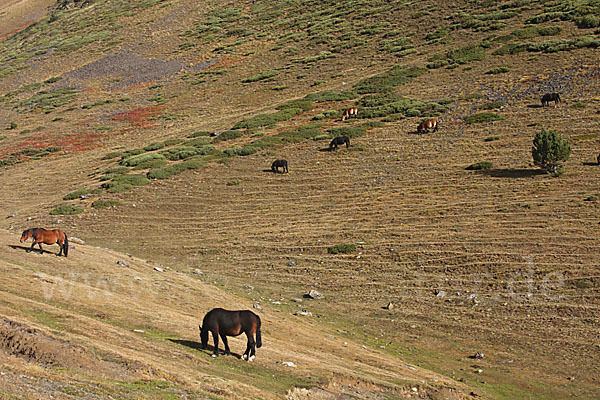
[41,235]
[339,141]
[348,112]
[225,323]
[548,97]
[425,126]
[279,163]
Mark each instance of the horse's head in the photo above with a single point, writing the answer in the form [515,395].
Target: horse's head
[203,337]
[25,235]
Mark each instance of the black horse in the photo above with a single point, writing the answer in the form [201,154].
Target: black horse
[548,97]
[225,323]
[279,163]
[339,141]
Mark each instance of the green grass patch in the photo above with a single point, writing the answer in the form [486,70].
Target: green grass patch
[483,117]
[266,120]
[123,183]
[105,203]
[491,138]
[141,158]
[492,105]
[77,194]
[341,249]
[229,135]
[388,80]
[66,209]
[480,166]
[498,70]
[579,105]
[349,131]
[387,104]
[234,182]
[261,76]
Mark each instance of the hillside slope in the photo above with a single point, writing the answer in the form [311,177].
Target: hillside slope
[149,128]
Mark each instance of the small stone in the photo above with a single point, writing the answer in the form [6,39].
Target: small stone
[479,371]
[138,330]
[313,294]
[249,287]
[303,313]
[441,294]
[159,269]
[571,378]
[198,272]
[123,263]
[289,364]
[413,326]
[415,389]
[137,278]
[291,264]
[297,300]
[13,214]
[76,240]
[257,306]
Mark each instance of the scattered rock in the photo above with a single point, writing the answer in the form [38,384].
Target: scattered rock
[123,263]
[303,313]
[415,389]
[441,294]
[389,306]
[76,240]
[198,272]
[138,330]
[159,269]
[313,294]
[479,355]
[137,278]
[257,306]
[479,371]
[13,214]
[249,287]
[297,300]
[571,378]
[291,264]
[289,364]
[413,326]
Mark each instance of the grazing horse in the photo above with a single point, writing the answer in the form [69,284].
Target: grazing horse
[339,141]
[279,163]
[348,112]
[548,97]
[41,235]
[225,323]
[425,126]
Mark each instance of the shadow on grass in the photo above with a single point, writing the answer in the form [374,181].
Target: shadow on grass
[591,164]
[534,106]
[197,346]
[273,172]
[26,248]
[512,173]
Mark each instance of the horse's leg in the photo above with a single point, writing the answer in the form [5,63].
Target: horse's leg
[216,341]
[247,351]
[252,345]
[224,339]
[60,244]
[32,244]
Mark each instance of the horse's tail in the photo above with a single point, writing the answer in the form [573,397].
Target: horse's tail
[66,245]
[258,336]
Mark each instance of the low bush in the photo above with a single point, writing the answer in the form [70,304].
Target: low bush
[341,249]
[483,117]
[349,131]
[77,194]
[153,163]
[111,155]
[388,80]
[491,138]
[492,105]
[199,134]
[261,76]
[326,96]
[122,183]
[498,70]
[66,209]
[228,135]
[480,166]
[141,158]
[105,203]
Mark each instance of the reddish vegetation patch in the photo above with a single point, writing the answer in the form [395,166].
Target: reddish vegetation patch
[17,29]
[138,116]
[71,143]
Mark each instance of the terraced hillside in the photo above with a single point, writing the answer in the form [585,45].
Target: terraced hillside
[149,128]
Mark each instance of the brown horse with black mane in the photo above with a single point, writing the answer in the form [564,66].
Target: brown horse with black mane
[348,112]
[41,235]
[425,126]
[225,323]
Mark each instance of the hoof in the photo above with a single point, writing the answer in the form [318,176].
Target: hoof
[251,359]
[244,356]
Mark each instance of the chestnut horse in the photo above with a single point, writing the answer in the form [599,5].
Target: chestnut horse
[41,235]
[225,323]
[279,163]
[425,126]
[348,112]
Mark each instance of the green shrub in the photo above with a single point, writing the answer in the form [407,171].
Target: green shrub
[111,155]
[588,21]
[385,104]
[579,105]
[388,80]
[105,203]
[349,131]
[199,134]
[245,150]
[198,142]
[591,198]
[122,183]
[8,161]
[550,150]
[172,142]
[13,125]
[498,70]
[155,146]
[480,165]
[261,76]
[466,54]
[483,117]
[117,170]
[303,104]
[234,182]
[265,120]
[153,163]
[228,135]
[76,194]
[327,96]
[141,158]
[341,249]
[492,105]
[66,209]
